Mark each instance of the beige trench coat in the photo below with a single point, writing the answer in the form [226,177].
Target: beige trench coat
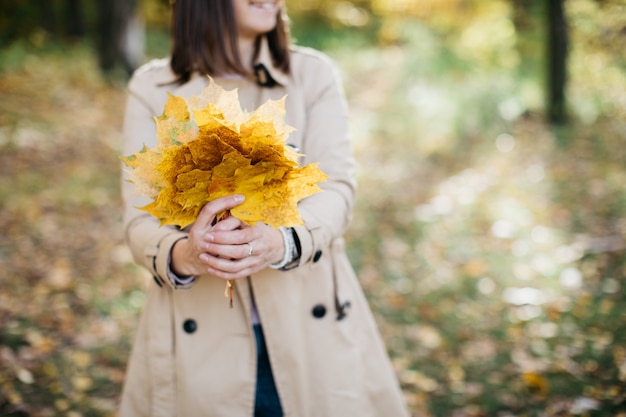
[193,355]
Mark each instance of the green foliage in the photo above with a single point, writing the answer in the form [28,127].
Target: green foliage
[490,245]
[59,20]
[320,32]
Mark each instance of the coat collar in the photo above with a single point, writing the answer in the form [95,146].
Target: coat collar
[265,72]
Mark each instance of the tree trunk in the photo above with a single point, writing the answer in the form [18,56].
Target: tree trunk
[75,22]
[557,62]
[47,17]
[120,35]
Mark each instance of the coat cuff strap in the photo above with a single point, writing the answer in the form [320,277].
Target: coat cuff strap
[162,260]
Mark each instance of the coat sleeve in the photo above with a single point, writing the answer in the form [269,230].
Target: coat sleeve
[326,141]
[150,243]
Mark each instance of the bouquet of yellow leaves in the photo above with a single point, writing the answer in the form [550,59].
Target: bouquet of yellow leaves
[208,147]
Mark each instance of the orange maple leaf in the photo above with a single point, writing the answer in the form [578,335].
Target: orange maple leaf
[208,147]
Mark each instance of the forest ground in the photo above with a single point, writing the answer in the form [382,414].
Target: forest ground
[490,245]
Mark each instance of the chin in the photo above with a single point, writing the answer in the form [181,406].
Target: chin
[256,17]
[264,6]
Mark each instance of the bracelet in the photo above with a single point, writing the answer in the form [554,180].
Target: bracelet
[288,240]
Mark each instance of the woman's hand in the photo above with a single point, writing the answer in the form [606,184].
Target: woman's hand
[228,249]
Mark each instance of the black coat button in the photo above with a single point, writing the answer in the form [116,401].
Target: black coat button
[317,256]
[190,326]
[319,311]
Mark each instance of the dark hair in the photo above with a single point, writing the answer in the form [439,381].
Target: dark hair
[204,39]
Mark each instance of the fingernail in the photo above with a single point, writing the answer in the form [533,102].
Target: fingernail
[239,198]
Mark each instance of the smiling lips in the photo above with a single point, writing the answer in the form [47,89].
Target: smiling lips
[265,5]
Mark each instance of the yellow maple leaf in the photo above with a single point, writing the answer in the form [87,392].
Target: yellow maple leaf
[208,147]
[536,383]
[148,181]
[175,107]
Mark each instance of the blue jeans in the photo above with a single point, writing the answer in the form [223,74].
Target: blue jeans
[267,402]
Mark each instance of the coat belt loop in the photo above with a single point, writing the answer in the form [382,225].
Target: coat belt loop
[341,307]
[161,346]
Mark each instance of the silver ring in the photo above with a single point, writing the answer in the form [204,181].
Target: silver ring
[249,249]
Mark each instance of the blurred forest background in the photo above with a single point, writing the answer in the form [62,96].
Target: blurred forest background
[490,227]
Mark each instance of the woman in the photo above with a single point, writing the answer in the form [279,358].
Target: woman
[300,340]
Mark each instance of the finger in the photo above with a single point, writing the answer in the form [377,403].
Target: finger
[228,224]
[229,237]
[228,275]
[213,208]
[231,269]
[233,236]
[233,252]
